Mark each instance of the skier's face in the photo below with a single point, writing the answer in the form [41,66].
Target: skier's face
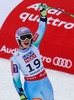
[26,43]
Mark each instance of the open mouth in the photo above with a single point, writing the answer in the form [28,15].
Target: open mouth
[26,43]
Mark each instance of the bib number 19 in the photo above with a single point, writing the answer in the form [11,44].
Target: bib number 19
[36,64]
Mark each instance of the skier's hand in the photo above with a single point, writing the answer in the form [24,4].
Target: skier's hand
[23,97]
[43,9]
[21,94]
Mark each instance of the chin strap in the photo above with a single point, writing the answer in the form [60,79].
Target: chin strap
[21,47]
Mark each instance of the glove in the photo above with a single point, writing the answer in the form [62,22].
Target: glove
[43,9]
[23,97]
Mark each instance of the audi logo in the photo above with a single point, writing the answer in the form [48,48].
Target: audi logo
[61,62]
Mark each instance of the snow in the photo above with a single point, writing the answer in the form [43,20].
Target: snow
[62,83]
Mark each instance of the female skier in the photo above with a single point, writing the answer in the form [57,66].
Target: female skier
[27,59]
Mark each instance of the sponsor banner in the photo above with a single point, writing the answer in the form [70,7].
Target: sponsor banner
[57,46]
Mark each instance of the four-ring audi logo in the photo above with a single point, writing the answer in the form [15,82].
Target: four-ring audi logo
[61,62]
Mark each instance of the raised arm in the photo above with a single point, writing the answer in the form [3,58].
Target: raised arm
[42,25]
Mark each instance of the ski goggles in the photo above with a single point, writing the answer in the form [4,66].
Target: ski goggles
[23,37]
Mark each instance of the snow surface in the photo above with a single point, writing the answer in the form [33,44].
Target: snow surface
[63,83]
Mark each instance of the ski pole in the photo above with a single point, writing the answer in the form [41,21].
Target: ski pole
[71,15]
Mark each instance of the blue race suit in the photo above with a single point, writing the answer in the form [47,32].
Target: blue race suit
[37,84]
